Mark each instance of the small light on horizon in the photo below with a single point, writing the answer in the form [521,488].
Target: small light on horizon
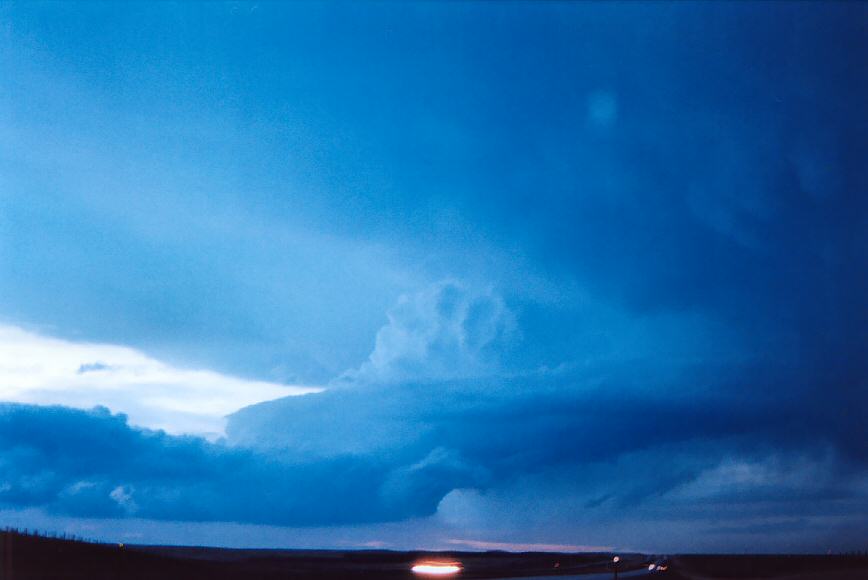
[436,569]
[616,559]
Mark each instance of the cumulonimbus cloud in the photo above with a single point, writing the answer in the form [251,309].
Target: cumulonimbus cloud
[445,331]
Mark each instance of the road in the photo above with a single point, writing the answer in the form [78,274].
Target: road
[641,573]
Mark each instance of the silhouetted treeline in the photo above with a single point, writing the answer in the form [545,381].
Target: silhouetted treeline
[46,534]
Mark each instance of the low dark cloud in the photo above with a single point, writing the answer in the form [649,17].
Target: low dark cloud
[94,464]
[392,451]
[93,367]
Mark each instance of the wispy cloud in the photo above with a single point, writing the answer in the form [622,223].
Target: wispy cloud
[48,371]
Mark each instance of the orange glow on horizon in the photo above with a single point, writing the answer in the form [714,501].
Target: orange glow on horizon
[436,568]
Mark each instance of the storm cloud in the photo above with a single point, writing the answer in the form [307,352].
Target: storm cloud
[589,268]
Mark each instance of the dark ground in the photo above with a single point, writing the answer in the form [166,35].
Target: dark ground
[30,557]
[27,557]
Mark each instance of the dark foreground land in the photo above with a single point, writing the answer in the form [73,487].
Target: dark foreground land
[26,557]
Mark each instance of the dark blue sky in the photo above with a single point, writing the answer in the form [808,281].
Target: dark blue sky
[559,273]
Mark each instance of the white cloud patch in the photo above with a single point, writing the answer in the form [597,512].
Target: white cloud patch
[41,370]
[446,331]
[124,498]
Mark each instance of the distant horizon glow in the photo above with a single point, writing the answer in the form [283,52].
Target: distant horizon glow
[37,369]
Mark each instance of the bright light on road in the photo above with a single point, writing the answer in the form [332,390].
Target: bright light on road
[616,559]
[436,569]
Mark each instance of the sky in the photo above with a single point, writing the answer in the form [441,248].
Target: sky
[459,275]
